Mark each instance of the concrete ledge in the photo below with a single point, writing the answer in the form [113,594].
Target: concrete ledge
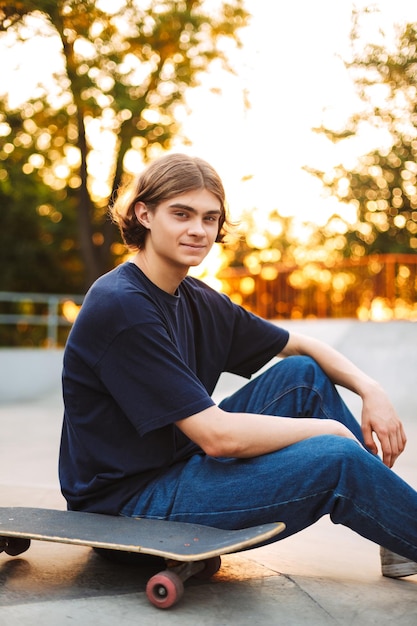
[28,373]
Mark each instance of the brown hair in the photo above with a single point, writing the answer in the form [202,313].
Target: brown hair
[165,178]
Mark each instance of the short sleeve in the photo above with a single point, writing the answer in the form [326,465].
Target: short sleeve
[146,375]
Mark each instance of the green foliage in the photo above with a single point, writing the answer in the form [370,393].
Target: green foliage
[37,229]
[36,252]
[383,184]
[123,74]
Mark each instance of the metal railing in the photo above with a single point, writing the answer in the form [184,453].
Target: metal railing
[48,313]
[378,287]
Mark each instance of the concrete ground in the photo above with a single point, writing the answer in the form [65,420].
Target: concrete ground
[324,575]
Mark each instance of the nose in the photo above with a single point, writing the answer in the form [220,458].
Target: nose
[196,228]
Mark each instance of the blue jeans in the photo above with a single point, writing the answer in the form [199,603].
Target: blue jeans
[298,484]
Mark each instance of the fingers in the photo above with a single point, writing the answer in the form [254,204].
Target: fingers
[388,458]
[392,441]
[392,444]
[369,440]
[398,442]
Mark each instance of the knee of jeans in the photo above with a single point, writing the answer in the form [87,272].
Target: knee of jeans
[342,448]
[305,366]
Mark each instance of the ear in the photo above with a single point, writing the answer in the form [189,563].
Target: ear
[142,214]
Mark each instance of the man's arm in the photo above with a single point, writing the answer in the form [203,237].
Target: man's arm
[223,434]
[378,414]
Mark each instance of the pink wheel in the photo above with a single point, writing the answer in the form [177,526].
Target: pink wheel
[164,589]
[211,566]
[16,545]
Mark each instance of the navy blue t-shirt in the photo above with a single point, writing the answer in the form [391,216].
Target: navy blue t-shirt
[137,360]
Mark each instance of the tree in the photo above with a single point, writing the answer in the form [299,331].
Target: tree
[37,251]
[125,69]
[383,184]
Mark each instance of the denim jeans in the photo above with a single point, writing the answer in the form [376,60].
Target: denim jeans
[323,475]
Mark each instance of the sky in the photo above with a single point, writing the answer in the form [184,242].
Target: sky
[285,68]
[291,69]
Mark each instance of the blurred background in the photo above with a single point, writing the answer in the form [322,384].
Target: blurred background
[308,111]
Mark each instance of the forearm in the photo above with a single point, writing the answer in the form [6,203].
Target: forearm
[244,435]
[338,368]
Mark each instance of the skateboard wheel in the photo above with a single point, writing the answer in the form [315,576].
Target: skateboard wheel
[3,544]
[164,589]
[211,566]
[15,546]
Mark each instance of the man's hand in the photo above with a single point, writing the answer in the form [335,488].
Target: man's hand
[379,417]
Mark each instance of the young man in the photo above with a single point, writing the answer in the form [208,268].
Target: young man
[142,435]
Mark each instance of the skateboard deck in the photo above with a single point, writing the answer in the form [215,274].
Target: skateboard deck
[194,548]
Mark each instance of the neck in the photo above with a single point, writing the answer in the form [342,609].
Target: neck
[164,276]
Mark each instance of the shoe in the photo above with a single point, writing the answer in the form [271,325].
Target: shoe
[396,566]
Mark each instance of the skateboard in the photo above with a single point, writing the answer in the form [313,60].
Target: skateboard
[188,549]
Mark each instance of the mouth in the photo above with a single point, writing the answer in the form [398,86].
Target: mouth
[194,246]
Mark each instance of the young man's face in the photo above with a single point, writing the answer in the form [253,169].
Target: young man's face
[182,230]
